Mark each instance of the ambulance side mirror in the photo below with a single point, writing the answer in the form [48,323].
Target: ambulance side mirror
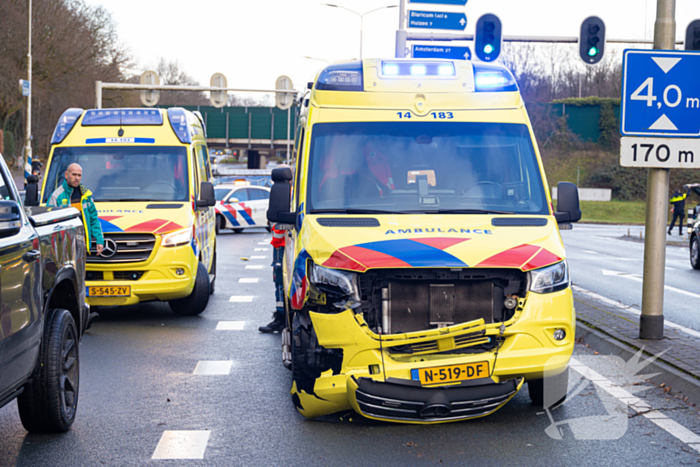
[206,195]
[568,208]
[280,197]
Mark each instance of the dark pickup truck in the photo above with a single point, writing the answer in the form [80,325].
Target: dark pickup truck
[43,314]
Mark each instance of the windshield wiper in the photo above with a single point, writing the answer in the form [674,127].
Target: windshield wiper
[350,211]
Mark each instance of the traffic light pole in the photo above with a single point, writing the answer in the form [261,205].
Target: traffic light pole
[651,324]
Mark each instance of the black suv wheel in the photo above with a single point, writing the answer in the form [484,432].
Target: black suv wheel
[50,400]
[198,299]
[695,252]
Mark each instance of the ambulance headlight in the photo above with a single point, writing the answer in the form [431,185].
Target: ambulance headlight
[340,286]
[549,279]
[177,238]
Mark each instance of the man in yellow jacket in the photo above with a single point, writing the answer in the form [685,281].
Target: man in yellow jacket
[678,201]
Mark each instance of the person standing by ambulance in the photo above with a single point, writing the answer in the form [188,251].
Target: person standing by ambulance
[678,201]
[73,193]
[278,317]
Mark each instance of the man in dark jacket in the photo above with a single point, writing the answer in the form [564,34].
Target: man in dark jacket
[678,201]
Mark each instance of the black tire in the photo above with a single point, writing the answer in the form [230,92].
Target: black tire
[220,223]
[237,231]
[212,284]
[50,400]
[198,299]
[557,387]
[695,252]
[300,345]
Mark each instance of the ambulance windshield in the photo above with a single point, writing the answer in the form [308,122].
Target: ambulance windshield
[121,173]
[401,167]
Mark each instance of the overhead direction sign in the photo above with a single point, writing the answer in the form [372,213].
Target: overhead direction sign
[441,2]
[441,51]
[437,20]
[660,94]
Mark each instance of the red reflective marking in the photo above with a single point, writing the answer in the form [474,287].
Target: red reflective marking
[439,242]
[543,258]
[248,210]
[341,261]
[298,297]
[512,258]
[169,227]
[148,226]
[373,259]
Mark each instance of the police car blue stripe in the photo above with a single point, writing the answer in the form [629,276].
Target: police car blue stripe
[247,218]
[230,218]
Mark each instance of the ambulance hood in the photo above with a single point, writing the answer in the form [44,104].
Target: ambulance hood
[432,241]
[144,217]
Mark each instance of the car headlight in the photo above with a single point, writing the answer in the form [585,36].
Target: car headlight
[549,279]
[177,238]
[343,288]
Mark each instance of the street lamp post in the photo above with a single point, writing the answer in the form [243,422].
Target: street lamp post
[362,17]
[28,130]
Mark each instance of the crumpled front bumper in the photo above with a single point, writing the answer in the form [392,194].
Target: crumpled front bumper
[406,401]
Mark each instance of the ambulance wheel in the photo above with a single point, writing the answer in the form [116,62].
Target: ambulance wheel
[695,253]
[301,335]
[220,223]
[556,387]
[198,299]
[49,402]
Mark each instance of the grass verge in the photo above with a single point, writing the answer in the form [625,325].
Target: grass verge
[615,212]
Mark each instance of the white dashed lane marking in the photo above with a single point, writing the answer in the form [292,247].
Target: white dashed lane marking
[260,249]
[213,367]
[662,421]
[230,325]
[248,280]
[258,257]
[263,243]
[182,444]
[254,266]
[240,299]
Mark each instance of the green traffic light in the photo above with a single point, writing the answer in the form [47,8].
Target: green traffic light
[593,51]
[488,48]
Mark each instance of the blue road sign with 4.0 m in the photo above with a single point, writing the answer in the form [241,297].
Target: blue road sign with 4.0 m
[660,94]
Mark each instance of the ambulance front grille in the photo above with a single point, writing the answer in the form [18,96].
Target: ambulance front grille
[130,248]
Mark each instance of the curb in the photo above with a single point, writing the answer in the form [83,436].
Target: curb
[677,380]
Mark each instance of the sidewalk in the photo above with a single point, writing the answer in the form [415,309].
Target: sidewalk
[608,327]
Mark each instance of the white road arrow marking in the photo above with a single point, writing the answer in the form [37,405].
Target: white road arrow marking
[666,63]
[663,123]
[638,278]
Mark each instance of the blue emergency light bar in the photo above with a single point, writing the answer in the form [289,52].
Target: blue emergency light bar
[122,117]
[492,78]
[178,120]
[65,124]
[341,77]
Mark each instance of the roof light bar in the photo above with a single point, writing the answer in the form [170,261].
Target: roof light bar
[341,77]
[65,124]
[490,78]
[122,117]
[412,68]
[178,120]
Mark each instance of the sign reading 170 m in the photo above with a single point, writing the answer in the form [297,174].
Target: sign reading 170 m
[660,113]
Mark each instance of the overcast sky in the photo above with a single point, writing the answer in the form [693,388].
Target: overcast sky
[254,41]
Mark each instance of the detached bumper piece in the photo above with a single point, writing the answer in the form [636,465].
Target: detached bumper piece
[406,401]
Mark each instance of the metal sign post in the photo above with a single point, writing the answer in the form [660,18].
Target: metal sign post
[28,129]
[652,124]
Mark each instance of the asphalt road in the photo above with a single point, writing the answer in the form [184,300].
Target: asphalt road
[139,389]
[603,263]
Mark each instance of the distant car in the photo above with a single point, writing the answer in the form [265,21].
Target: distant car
[241,206]
[695,229]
